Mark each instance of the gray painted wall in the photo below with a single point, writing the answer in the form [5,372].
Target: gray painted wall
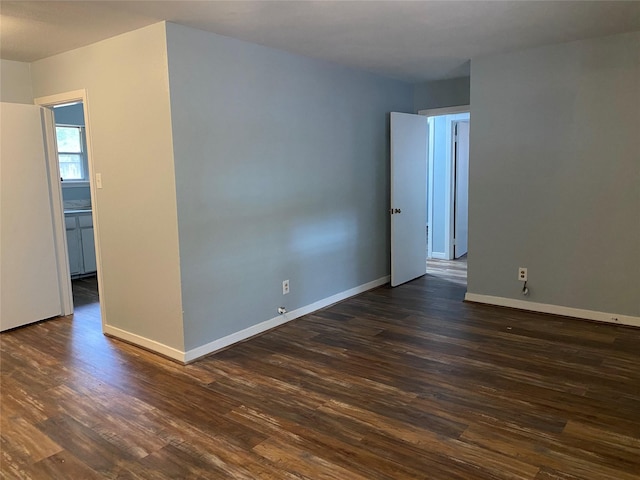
[555,174]
[441,93]
[282,172]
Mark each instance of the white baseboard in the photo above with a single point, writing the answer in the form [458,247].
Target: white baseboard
[236,337]
[144,342]
[198,352]
[439,255]
[554,309]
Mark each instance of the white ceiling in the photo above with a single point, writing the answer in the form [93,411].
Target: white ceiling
[408,40]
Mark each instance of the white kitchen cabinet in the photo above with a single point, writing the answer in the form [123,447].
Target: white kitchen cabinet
[73,244]
[80,243]
[88,249]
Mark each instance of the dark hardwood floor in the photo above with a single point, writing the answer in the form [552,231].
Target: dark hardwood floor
[404,383]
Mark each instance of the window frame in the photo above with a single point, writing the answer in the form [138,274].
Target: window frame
[83,153]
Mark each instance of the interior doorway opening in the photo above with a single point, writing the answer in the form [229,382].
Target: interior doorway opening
[429,190]
[73,164]
[448,193]
[75,219]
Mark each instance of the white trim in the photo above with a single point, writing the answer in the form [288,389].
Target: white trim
[63,98]
[236,337]
[144,342]
[554,309]
[434,112]
[439,255]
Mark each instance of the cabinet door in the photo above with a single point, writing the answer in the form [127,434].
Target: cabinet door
[75,250]
[88,250]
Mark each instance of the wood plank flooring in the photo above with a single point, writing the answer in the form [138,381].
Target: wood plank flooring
[404,383]
[451,270]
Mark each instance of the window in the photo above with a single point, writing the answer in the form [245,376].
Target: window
[73,165]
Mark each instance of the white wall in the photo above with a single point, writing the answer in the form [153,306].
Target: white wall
[15,82]
[129,124]
[555,175]
[282,170]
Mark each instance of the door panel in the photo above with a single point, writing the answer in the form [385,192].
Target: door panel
[29,286]
[408,197]
[462,191]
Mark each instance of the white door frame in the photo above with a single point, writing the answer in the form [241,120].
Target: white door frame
[449,177]
[60,235]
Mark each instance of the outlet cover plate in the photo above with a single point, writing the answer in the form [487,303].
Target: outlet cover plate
[522,274]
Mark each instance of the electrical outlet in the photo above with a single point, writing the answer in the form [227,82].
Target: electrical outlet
[285,287]
[522,274]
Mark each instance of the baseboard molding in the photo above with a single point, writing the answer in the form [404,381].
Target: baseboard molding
[224,342]
[254,330]
[439,256]
[554,309]
[144,342]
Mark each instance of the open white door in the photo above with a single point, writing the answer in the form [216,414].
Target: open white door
[29,284]
[408,197]
[461,228]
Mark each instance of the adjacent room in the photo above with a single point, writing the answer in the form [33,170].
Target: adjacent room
[320,240]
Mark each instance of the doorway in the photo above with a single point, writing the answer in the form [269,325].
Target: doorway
[448,193]
[76,199]
[76,218]
[447,185]
[429,190]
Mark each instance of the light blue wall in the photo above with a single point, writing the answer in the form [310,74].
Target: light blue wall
[555,175]
[75,193]
[72,115]
[441,93]
[69,115]
[282,172]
